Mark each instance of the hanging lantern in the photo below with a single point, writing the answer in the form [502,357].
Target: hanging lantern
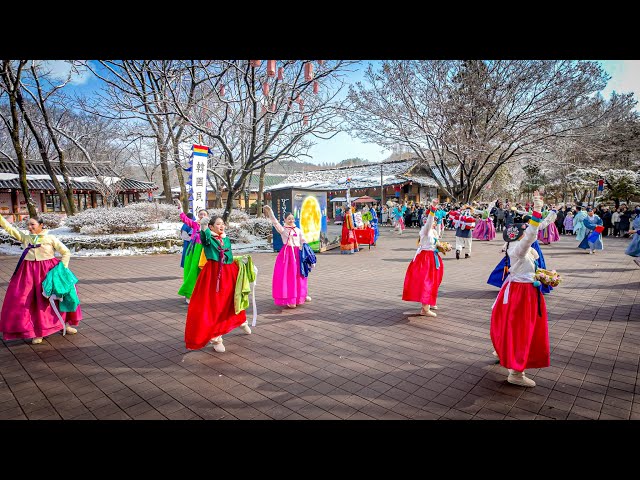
[273,108]
[255,63]
[271,68]
[301,102]
[222,90]
[265,89]
[281,73]
[321,62]
[316,87]
[208,124]
[264,109]
[308,71]
[305,120]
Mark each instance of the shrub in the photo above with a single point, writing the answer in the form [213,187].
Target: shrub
[235,215]
[165,212]
[51,221]
[260,227]
[109,220]
[237,234]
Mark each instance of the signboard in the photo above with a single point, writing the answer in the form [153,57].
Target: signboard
[280,204]
[310,211]
[198,181]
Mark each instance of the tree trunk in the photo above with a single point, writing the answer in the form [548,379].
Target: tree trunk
[260,192]
[69,206]
[22,163]
[164,169]
[229,204]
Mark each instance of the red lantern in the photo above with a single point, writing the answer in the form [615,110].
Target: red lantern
[305,120]
[273,107]
[271,68]
[281,73]
[316,87]
[255,63]
[308,71]
[264,109]
[222,90]
[208,124]
[265,89]
[321,62]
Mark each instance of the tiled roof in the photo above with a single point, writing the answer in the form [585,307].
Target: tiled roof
[80,175]
[362,176]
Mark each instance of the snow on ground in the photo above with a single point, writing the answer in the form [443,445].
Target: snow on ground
[160,231]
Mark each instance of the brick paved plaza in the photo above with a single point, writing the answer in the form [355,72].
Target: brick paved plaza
[357,351]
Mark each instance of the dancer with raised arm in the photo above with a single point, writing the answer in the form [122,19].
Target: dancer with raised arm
[289,286]
[424,273]
[26,312]
[211,312]
[519,330]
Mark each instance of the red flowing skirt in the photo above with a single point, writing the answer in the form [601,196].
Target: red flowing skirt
[520,334]
[422,280]
[26,313]
[212,313]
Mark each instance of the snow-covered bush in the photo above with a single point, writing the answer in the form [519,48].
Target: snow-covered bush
[237,234]
[237,216]
[165,212]
[110,220]
[51,221]
[260,227]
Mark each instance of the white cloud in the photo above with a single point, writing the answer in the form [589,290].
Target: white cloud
[60,70]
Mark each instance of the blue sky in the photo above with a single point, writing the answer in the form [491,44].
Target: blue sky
[625,77]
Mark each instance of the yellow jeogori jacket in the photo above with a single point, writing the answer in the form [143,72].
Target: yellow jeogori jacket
[48,243]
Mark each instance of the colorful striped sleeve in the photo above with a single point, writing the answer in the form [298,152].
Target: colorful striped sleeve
[535,219]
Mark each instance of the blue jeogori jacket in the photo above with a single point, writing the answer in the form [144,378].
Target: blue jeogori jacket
[307,260]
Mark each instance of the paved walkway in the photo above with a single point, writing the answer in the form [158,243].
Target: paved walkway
[357,351]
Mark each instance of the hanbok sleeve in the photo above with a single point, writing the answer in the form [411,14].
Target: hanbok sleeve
[13,231]
[530,235]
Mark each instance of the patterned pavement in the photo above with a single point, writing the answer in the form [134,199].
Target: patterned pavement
[357,351]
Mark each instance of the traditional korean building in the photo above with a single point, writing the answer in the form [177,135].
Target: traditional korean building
[404,180]
[86,188]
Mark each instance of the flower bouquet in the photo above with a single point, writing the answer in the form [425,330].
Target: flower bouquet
[444,247]
[547,277]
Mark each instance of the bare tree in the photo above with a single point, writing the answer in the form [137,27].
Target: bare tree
[465,119]
[250,118]
[38,116]
[11,78]
[136,90]
[96,140]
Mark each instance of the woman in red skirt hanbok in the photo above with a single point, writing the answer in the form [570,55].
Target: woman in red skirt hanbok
[289,286]
[424,273]
[519,329]
[211,312]
[26,312]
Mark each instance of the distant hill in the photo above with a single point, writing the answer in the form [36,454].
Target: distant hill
[290,166]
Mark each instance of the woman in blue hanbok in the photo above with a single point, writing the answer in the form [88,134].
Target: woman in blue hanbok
[499,274]
[578,227]
[592,240]
[634,247]
[374,223]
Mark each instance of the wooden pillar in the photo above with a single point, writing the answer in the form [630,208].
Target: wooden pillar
[14,204]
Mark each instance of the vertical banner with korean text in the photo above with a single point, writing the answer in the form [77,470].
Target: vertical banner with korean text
[198,182]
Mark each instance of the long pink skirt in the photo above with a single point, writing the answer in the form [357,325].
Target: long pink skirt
[26,313]
[422,280]
[288,286]
[485,230]
[520,334]
[549,234]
